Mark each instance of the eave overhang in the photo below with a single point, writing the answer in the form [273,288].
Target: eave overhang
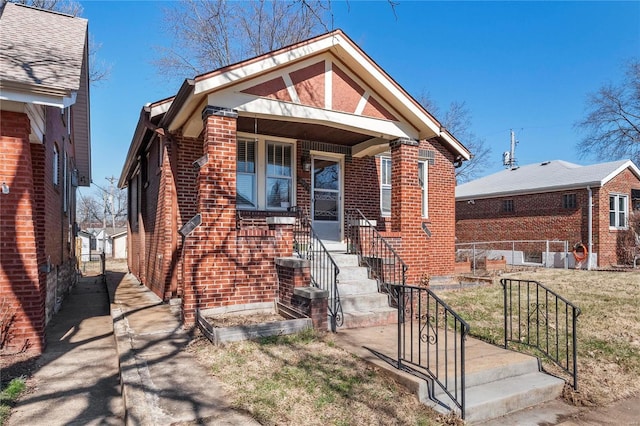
[37,94]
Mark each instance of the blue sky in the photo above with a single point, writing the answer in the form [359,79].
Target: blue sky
[526,66]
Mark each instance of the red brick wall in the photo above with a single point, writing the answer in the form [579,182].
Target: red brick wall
[224,265]
[541,217]
[535,217]
[434,255]
[610,242]
[22,286]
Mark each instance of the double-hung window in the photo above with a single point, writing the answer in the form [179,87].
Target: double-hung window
[423,179]
[385,186]
[246,174]
[264,174]
[618,210]
[279,175]
[56,165]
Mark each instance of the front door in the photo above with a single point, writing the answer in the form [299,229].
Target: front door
[326,197]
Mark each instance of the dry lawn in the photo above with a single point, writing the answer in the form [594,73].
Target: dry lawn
[608,326]
[305,379]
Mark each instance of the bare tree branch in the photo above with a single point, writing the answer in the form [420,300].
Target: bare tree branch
[611,126]
[211,34]
[457,120]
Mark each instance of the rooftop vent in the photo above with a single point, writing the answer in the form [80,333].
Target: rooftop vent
[545,163]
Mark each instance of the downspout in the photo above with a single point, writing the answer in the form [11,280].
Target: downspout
[590,227]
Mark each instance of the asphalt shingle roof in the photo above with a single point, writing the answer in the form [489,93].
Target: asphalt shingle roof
[40,47]
[542,177]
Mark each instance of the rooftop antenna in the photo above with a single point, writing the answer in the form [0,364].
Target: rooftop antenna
[509,157]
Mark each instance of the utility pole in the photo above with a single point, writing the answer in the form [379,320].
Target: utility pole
[509,157]
[111,180]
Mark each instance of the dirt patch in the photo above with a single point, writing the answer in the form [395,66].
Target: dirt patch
[234,320]
[15,365]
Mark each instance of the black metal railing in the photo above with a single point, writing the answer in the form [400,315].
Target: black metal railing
[538,317]
[323,269]
[431,341]
[375,252]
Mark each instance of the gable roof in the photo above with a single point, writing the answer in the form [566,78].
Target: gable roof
[44,61]
[543,177]
[42,51]
[301,83]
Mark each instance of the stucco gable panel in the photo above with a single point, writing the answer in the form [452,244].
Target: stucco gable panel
[309,84]
[346,92]
[273,89]
[375,109]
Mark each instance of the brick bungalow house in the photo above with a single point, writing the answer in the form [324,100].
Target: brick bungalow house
[317,125]
[554,200]
[45,152]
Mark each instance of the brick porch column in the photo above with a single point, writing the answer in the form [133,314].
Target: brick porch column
[211,249]
[406,208]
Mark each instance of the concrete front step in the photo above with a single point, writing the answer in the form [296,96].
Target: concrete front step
[371,318]
[345,260]
[499,398]
[363,302]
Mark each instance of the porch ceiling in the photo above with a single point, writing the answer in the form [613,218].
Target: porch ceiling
[301,131]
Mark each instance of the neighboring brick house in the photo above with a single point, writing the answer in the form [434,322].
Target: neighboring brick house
[551,201]
[45,155]
[318,121]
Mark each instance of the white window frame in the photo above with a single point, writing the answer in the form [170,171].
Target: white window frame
[424,190]
[56,165]
[65,189]
[254,174]
[268,176]
[385,184]
[261,158]
[617,211]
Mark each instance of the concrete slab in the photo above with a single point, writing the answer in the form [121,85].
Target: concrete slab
[77,379]
[161,383]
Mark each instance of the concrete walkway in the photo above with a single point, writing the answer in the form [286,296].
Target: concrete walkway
[144,376]
[161,383]
[76,380]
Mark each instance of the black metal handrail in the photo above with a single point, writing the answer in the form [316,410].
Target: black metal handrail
[431,339]
[323,269]
[536,316]
[375,252]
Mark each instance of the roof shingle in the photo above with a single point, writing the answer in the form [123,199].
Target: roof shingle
[542,177]
[41,48]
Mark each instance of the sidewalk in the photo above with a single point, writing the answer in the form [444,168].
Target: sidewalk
[76,380]
[161,383]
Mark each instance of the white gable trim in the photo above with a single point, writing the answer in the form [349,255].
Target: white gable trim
[628,164]
[328,84]
[293,94]
[287,111]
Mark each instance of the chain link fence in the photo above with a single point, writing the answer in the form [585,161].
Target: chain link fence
[495,255]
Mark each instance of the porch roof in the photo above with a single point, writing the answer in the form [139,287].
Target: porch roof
[323,89]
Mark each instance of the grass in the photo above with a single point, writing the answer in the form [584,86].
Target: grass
[305,379]
[8,397]
[608,326]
